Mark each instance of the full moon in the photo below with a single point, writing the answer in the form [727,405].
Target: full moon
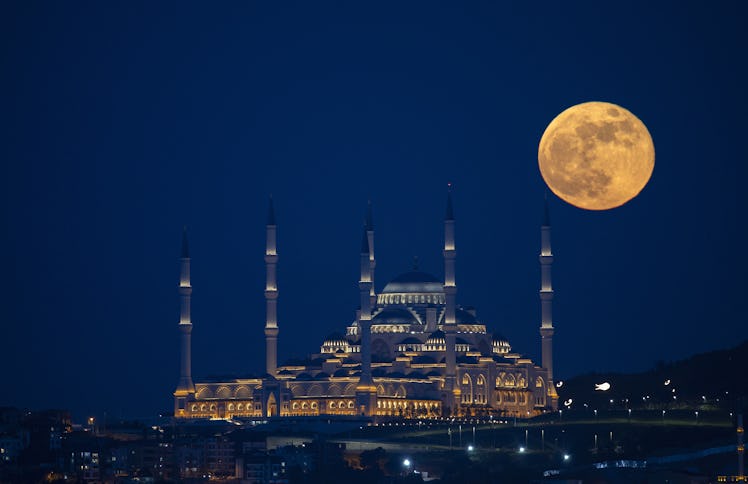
[596,156]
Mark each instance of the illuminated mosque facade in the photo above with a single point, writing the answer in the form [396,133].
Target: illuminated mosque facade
[410,352]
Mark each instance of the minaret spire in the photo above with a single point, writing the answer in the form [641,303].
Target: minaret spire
[271,293]
[372,259]
[450,291]
[271,212]
[366,392]
[185,388]
[546,296]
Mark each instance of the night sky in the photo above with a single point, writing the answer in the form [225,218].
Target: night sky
[124,121]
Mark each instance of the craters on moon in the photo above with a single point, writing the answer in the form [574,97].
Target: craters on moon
[596,155]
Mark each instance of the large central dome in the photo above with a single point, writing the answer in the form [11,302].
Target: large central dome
[414,282]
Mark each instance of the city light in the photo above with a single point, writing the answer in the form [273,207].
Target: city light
[602,387]
[521,449]
[406,462]
[470,448]
[567,457]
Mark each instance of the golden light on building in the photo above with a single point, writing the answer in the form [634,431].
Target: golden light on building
[411,352]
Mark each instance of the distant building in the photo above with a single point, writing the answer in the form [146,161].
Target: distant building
[410,352]
[262,468]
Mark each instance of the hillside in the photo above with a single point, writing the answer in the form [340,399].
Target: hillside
[716,379]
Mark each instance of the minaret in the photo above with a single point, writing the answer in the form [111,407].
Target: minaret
[741,449]
[450,291]
[365,391]
[271,294]
[546,295]
[185,387]
[372,259]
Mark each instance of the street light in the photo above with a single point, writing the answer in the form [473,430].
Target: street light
[697,417]
[470,448]
[567,457]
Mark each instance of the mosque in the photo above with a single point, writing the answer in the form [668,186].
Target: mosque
[410,352]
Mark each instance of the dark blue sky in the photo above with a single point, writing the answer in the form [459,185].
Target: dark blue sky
[122,122]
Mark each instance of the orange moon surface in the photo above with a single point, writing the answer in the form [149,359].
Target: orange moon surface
[596,155]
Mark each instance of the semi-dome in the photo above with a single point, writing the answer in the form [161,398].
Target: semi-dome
[414,282]
[464,317]
[394,316]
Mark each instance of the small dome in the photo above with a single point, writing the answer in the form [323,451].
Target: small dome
[335,339]
[414,282]
[500,344]
[436,338]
